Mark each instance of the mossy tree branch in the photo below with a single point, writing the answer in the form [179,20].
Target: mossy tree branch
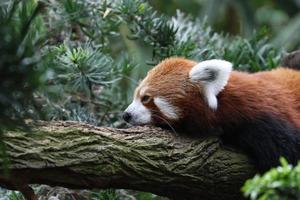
[77,155]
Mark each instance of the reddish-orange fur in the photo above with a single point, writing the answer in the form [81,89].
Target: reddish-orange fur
[273,92]
[245,96]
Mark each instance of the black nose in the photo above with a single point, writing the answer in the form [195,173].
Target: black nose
[126,116]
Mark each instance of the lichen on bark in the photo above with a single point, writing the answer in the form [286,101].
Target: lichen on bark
[77,155]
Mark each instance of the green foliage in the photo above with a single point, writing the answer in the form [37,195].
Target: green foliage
[105,195]
[83,20]
[78,68]
[242,17]
[15,196]
[21,35]
[253,54]
[153,29]
[281,183]
[124,195]
[81,81]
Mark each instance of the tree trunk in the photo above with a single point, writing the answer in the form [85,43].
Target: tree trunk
[77,155]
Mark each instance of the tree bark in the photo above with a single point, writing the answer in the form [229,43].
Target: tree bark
[77,155]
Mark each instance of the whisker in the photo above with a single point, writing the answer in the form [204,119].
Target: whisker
[155,113]
[167,122]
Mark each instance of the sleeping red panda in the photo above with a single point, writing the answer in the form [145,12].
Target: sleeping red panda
[258,113]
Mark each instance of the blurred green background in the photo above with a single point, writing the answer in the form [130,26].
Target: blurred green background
[243,17]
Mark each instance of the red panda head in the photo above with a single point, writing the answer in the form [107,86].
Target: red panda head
[177,90]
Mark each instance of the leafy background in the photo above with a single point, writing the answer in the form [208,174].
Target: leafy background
[81,60]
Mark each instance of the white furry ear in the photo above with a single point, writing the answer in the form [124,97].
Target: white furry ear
[213,75]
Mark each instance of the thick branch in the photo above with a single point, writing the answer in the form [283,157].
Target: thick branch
[77,155]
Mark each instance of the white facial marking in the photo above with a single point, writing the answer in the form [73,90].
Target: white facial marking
[140,114]
[213,75]
[166,108]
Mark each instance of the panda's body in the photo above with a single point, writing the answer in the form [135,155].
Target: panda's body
[259,113]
